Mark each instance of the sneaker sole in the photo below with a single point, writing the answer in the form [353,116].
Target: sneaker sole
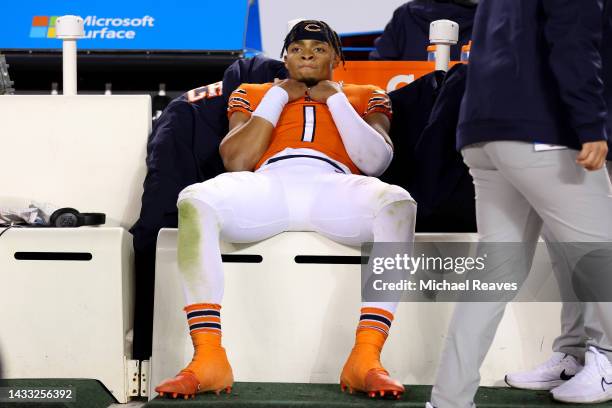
[595,399]
[534,386]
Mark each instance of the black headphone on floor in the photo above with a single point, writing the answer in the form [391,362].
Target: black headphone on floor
[70,218]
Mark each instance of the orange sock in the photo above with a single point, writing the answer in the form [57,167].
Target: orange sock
[204,318]
[372,332]
[374,326]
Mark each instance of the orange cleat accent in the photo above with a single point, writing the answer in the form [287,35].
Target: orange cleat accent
[208,371]
[185,384]
[363,371]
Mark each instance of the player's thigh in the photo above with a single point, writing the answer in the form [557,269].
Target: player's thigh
[249,206]
[344,206]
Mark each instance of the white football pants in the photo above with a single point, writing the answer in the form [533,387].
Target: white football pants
[297,194]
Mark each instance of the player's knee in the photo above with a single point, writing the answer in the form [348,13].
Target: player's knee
[189,234]
[194,213]
[193,192]
[398,199]
[199,195]
[187,213]
[404,210]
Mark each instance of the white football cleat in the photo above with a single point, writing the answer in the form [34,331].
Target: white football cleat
[592,384]
[557,370]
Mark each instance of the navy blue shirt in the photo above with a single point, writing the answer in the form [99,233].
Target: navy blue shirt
[406,36]
[606,55]
[535,74]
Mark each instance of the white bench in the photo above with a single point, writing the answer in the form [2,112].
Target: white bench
[71,318]
[289,322]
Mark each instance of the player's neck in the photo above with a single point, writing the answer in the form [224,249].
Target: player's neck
[311,82]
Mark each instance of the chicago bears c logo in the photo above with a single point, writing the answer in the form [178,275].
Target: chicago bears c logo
[312,27]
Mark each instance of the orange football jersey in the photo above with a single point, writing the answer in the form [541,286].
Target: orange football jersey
[308,124]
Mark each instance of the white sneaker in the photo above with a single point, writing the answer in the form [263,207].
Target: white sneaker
[592,384]
[554,372]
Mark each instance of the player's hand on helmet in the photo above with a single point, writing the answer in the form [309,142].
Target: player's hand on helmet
[323,90]
[295,89]
[593,155]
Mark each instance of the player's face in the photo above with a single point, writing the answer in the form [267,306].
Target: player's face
[310,61]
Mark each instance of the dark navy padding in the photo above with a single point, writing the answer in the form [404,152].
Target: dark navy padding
[425,162]
[445,190]
[606,55]
[406,36]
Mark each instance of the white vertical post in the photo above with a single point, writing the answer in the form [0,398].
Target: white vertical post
[69,67]
[443,33]
[69,29]
[442,57]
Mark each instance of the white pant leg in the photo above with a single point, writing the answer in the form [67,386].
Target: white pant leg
[575,205]
[250,206]
[354,209]
[516,188]
[503,215]
[237,207]
[572,339]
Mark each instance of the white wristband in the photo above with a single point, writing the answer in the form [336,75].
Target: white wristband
[272,105]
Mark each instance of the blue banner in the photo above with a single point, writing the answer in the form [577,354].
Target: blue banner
[188,25]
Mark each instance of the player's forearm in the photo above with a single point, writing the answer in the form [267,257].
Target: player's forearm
[242,148]
[366,147]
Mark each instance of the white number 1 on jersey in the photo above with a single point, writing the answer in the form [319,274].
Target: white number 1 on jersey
[310,122]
